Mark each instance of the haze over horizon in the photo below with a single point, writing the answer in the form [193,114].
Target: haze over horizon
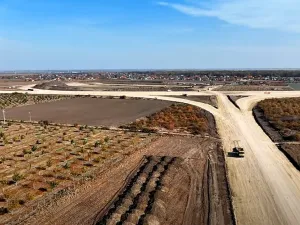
[149,34]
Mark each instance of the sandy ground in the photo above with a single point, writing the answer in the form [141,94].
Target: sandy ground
[265,185]
[77,84]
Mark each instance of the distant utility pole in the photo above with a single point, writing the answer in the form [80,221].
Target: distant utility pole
[3,111]
[29,117]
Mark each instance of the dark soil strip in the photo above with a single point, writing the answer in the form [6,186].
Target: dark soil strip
[210,100]
[290,158]
[205,193]
[229,192]
[209,190]
[266,126]
[230,98]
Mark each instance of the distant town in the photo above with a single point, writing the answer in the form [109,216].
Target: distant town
[213,77]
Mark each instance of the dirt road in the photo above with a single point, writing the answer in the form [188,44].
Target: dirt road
[266,186]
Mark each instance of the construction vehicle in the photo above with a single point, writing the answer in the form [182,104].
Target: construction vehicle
[237,150]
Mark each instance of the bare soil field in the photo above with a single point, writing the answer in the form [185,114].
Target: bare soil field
[190,189]
[253,88]
[42,162]
[89,111]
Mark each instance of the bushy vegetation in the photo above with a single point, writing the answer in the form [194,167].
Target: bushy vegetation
[181,117]
[283,115]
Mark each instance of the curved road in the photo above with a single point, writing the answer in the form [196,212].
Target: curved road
[265,185]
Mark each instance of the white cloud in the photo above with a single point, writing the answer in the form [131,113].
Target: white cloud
[275,14]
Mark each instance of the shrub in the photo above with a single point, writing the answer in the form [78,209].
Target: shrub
[34,148]
[17,177]
[26,151]
[97,144]
[81,150]
[21,202]
[66,165]
[2,135]
[85,141]
[96,160]
[177,116]
[49,163]
[283,115]
[52,184]
[44,122]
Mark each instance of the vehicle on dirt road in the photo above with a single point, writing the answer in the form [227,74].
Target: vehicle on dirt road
[237,151]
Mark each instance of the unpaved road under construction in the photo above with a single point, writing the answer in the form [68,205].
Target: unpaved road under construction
[265,185]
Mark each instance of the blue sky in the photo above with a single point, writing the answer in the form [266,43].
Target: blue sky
[149,34]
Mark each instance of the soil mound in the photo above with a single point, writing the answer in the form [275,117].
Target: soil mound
[55,85]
